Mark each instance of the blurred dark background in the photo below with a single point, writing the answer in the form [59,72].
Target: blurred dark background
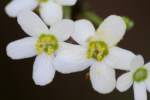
[15,76]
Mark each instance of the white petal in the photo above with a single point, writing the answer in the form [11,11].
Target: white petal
[138,61]
[148,78]
[102,78]
[51,12]
[71,58]
[63,29]
[119,58]
[148,82]
[66,2]
[124,82]
[112,30]
[140,91]
[147,65]
[43,71]
[23,48]
[17,6]
[32,24]
[83,31]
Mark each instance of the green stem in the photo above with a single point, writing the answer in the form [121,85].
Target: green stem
[93,17]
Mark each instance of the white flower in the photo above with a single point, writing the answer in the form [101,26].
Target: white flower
[50,10]
[139,76]
[98,50]
[42,42]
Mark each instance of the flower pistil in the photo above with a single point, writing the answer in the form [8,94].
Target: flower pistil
[140,74]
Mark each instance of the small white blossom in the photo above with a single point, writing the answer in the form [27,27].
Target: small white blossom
[43,42]
[50,10]
[97,49]
[139,76]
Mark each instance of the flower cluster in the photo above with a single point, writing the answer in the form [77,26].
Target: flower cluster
[96,48]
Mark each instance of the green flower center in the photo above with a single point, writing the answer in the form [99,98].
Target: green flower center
[97,50]
[42,1]
[46,43]
[140,74]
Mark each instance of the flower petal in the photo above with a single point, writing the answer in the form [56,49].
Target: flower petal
[23,48]
[124,82]
[147,65]
[51,12]
[31,23]
[138,61]
[16,6]
[83,31]
[63,29]
[102,78]
[140,91]
[119,58]
[148,78]
[112,30]
[148,82]
[66,2]
[71,58]
[43,71]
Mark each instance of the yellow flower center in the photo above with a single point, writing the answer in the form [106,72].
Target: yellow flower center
[140,74]
[46,43]
[97,50]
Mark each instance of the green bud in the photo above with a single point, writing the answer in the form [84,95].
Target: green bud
[67,12]
[129,22]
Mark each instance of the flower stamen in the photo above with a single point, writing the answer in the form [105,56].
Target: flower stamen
[97,50]
[46,43]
